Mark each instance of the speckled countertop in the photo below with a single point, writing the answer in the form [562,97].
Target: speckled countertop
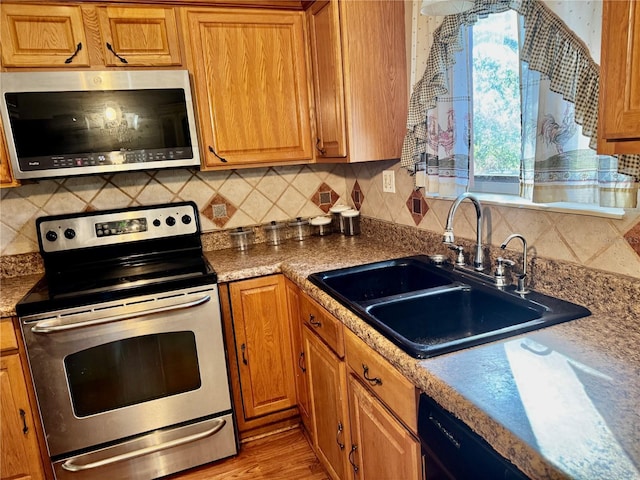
[562,402]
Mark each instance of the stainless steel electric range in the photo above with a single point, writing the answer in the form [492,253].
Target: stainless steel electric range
[125,345]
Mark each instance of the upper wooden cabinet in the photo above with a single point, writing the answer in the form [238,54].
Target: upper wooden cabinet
[251,85]
[139,36]
[58,36]
[619,103]
[360,79]
[6,177]
[43,36]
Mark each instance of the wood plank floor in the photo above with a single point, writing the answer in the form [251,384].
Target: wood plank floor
[283,456]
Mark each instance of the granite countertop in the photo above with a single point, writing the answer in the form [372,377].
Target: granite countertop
[561,402]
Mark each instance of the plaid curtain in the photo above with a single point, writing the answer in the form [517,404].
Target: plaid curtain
[549,47]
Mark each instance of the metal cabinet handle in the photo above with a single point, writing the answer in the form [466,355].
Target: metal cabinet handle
[110,48]
[301,362]
[72,465]
[372,381]
[23,416]
[340,429]
[243,347]
[313,321]
[53,326]
[222,159]
[78,48]
[353,450]
[323,151]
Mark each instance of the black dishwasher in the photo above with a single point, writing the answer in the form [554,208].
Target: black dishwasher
[452,450]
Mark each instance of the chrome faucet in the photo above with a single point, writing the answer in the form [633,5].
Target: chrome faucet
[522,277]
[449,238]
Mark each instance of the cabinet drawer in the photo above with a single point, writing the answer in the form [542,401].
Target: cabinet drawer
[389,385]
[8,340]
[325,325]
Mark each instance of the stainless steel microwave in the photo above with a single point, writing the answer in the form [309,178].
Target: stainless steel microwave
[86,122]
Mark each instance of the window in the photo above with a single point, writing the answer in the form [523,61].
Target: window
[496,104]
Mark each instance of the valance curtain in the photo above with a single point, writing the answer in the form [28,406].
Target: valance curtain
[560,85]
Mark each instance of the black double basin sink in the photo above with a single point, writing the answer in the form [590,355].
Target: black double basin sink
[429,310]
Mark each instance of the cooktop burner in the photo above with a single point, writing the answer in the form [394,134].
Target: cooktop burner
[146,250]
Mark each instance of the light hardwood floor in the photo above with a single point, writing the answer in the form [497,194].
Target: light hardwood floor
[283,456]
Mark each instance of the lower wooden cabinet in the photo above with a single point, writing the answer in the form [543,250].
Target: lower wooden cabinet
[258,338]
[363,411]
[327,390]
[381,447]
[19,446]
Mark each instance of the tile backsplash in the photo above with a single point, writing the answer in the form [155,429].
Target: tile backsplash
[233,198]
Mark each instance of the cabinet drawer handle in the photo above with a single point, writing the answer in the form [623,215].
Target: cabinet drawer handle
[243,347]
[78,48]
[340,428]
[313,321]
[353,450]
[223,160]
[110,48]
[23,415]
[301,362]
[323,151]
[372,381]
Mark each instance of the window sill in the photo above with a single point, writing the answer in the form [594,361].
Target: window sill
[559,207]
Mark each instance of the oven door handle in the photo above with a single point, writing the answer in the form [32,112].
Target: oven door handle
[71,466]
[54,326]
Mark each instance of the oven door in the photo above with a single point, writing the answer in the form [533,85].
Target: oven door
[116,370]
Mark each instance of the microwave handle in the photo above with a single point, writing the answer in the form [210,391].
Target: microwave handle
[70,466]
[54,326]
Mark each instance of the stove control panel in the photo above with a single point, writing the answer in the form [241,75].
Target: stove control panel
[102,228]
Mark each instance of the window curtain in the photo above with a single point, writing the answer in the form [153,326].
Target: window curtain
[555,104]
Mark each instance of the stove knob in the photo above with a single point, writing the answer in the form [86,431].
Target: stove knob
[186,219]
[51,236]
[171,221]
[157,223]
[70,234]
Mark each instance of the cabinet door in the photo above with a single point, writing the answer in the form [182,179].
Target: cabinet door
[381,448]
[327,386]
[6,177]
[263,343]
[326,57]
[43,36]
[139,36]
[19,452]
[619,115]
[302,384]
[251,86]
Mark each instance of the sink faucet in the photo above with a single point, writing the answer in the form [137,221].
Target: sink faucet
[448,236]
[522,277]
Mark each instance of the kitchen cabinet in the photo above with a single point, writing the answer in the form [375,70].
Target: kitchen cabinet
[359,78]
[258,337]
[619,103]
[66,36]
[323,342]
[251,85]
[6,176]
[364,412]
[382,447]
[302,383]
[19,444]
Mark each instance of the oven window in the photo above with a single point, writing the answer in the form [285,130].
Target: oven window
[131,371]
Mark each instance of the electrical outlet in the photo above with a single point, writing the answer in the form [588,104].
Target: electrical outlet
[388,181]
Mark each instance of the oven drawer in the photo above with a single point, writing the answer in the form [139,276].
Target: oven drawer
[154,455]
